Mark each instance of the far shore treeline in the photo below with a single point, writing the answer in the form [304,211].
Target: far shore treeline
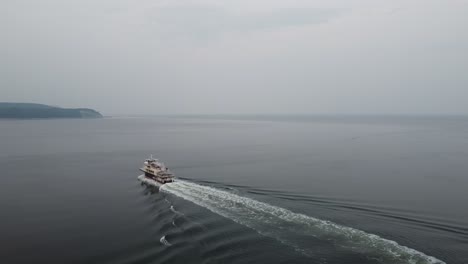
[32,110]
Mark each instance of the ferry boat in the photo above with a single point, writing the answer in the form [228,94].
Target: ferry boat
[157,171]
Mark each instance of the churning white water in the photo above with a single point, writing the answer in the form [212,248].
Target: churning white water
[282,224]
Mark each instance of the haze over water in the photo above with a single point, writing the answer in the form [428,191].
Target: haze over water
[251,189]
[243,56]
[325,131]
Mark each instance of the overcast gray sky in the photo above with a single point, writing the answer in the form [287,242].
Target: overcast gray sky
[237,56]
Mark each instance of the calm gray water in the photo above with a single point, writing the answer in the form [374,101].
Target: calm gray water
[250,190]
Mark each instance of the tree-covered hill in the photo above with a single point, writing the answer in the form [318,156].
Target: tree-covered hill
[31,110]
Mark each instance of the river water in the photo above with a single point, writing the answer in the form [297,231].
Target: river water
[250,189]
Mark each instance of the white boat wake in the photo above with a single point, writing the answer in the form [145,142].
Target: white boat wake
[280,223]
[164,241]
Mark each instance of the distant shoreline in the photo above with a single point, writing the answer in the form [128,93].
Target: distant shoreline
[41,111]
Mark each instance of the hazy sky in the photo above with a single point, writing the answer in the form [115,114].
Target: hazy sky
[237,56]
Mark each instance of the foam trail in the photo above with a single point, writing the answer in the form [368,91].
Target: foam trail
[164,241]
[144,179]
[280,223]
